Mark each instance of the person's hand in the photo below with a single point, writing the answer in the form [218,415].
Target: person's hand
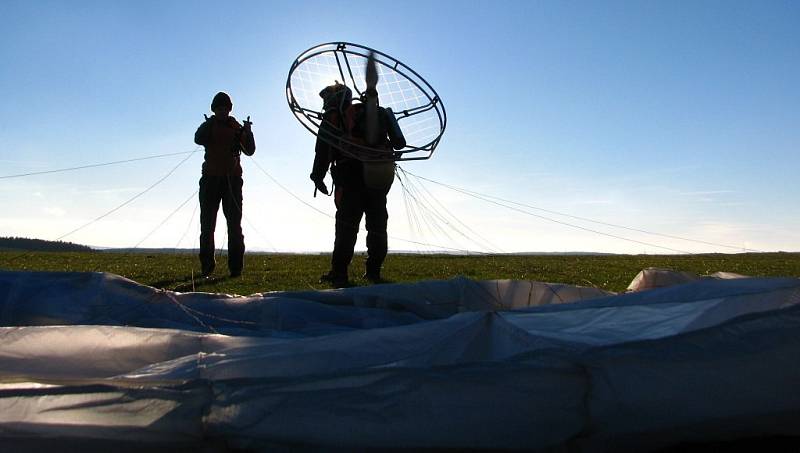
[320,185]
[247,125]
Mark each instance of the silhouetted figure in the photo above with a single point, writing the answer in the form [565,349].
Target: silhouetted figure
[360,187]
[224,139]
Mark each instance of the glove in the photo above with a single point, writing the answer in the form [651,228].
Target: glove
[320,185]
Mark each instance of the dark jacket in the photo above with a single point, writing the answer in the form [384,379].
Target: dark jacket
[223,140]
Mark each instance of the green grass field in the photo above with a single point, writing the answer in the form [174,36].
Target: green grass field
[279,272]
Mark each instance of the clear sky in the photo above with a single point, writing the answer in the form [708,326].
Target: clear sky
[676,118]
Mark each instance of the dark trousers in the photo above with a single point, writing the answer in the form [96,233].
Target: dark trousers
[228,190]
[351,204]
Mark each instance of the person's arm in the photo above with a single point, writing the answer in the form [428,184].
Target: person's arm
[322,160]
[248,140]
[322,156]
[203,134]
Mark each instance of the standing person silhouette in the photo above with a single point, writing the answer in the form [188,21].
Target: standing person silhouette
[360,187]
[223,139]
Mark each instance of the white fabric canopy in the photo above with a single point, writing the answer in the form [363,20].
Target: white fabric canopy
[98,361]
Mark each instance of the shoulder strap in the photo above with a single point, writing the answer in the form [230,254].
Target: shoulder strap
[350,117]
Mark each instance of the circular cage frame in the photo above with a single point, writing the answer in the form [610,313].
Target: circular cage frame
[312,119]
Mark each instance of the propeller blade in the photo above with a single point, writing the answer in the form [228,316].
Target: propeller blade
[372,72]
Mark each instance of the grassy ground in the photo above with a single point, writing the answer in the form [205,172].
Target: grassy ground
[278,272]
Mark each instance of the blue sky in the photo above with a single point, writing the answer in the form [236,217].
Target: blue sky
[679,118]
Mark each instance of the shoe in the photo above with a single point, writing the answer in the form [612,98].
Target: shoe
[375,279]
[335,280]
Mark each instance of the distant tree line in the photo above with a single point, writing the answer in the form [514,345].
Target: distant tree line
[39,245]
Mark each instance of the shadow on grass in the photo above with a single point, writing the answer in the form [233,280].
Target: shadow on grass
[171,281]
[200,282]
[185,283]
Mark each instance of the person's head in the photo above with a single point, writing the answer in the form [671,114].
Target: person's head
[336,96]
[221,105]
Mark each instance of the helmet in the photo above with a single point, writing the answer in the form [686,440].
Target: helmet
[221,99]
[336,96]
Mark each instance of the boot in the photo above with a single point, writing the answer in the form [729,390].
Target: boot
[336,280]
[374,277]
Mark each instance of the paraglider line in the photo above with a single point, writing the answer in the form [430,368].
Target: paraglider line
[97,165]
[488,200]
[191,221]
[166,219]
[477,195]
[128,201]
